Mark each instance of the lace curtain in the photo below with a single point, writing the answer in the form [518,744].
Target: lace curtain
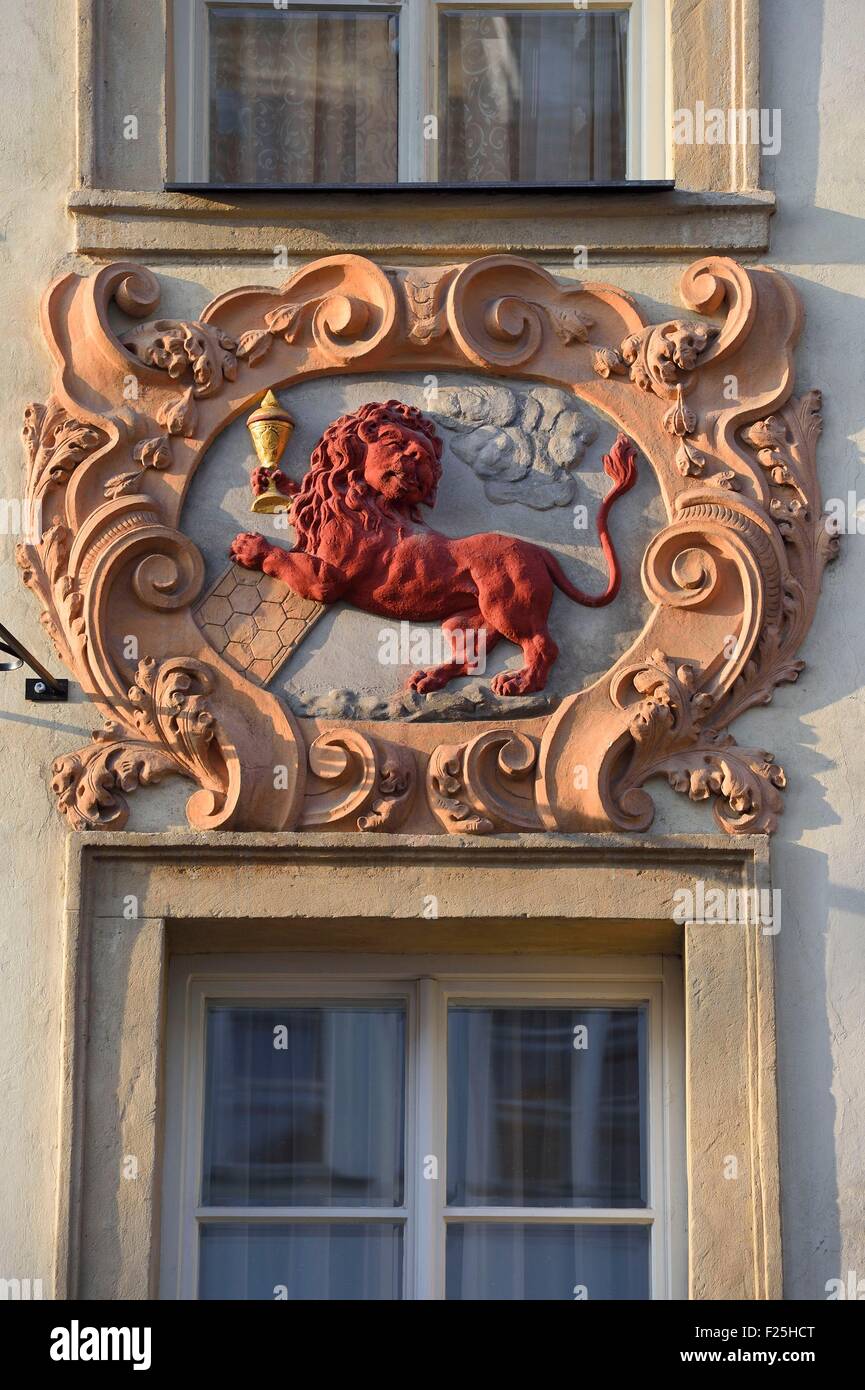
[303,98]
[532,96]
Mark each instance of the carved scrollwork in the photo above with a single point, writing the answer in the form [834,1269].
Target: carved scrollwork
[507,330]
[733,576]
[171,576]
[484,785]
[348,304]
[167,729]
[366,780]
[669,737]
[676,574]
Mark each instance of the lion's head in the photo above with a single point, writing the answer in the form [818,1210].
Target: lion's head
[373,467]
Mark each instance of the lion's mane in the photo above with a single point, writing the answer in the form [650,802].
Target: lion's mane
[333,492]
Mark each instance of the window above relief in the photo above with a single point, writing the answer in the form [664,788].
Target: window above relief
[365,94]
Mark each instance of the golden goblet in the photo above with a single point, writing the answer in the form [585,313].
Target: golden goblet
[271,428]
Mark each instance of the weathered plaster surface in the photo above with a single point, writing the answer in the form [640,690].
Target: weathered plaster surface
[814,71]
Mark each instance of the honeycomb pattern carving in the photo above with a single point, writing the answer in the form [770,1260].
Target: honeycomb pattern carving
[255,622]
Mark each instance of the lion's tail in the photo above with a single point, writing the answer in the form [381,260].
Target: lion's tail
[620,464]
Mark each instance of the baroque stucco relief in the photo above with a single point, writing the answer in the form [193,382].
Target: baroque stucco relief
[732,578]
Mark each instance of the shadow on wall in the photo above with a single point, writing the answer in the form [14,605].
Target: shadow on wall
[808,71]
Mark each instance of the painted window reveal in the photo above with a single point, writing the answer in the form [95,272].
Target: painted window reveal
[465,1140]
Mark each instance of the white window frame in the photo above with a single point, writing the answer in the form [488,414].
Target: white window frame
[427,985]
[649,154]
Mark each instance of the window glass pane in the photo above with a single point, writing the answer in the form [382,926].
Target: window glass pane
[315,1261]
[547,1262]
[303,95]
[304,1106]
[532,95]
[546,1107]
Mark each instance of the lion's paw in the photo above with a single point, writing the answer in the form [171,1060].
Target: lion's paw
[522,682]
[425,682]
[250,550]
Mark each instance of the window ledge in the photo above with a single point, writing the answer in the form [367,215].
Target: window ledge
[424,221]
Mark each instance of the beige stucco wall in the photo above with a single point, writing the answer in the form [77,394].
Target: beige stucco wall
[814,71]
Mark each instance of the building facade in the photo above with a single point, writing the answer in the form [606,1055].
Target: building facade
[439,490]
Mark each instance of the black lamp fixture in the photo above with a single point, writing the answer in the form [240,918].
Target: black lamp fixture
[44,689]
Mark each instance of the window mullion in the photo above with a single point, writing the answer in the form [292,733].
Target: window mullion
[429,1158]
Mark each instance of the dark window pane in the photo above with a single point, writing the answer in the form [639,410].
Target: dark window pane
[534,1120]
[304,1106]
[532,95]
[315,1261]
[553,1263]
[303,96]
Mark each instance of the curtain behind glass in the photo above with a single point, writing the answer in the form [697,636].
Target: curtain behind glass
[534,1121]
[304,1106]
[302,97]
[529,96]
[301,1262]
[549,1263]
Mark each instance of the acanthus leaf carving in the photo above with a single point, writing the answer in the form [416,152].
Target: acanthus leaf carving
[44,570]
[254,345]
[570,325]
[56,444]
[785,445]
[608,361]
[689,461]
[679,420]
[661,356]
[670,738]
[395,790]
[746,782]
[170,730]
[154,453]
[425,300]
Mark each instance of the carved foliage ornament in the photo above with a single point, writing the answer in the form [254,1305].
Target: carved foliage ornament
[733,577]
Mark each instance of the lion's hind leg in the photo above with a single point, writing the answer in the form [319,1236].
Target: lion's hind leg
[515,593]
[470,637]
[539,651]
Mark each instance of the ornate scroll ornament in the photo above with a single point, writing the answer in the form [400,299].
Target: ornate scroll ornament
[485,784]
[733,577]
[671,735]
[167,729]
[357,782]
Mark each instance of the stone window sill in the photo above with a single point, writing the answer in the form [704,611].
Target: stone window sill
[548,224]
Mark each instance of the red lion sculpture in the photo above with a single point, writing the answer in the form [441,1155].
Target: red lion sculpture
[360,537]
